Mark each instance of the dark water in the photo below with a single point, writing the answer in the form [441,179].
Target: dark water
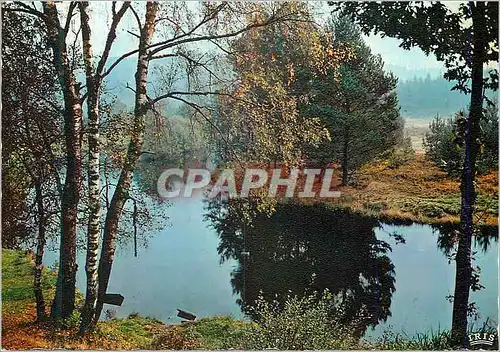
[392,275]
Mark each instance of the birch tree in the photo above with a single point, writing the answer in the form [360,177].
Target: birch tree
[465,40]
[57,34]
[215,23]
[94,77]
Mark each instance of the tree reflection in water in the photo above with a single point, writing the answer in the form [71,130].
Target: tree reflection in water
[301,249]
[482,240]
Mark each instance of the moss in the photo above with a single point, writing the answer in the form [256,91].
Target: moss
[221,332]
[132,332]
[17,276]
[417,191]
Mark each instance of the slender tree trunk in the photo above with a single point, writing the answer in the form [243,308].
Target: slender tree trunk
[40,246]
[94,225]
[345,158]
[120,195]
[94,81]
[64,301]
[463,257]
[37,175]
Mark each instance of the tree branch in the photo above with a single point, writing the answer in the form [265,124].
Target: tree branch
[111,36]
[30,10]
[136,17]
[72,7]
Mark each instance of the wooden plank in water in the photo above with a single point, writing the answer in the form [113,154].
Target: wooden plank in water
[185,315]
[114,299]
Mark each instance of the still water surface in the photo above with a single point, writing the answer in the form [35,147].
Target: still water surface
[181,268]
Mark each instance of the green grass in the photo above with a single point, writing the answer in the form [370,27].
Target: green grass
[132,332]
[433,340]
[220,332]
[437,207]
[17,281]
[137,332]
[17,276]
[433,207]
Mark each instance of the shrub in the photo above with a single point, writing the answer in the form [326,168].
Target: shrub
[174,338]
[440,146]
[401,154]
[310,322]
[434,340]
[444,143]
[71,322]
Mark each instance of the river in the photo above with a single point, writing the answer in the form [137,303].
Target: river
[181,268]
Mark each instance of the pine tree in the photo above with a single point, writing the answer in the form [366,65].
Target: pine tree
[360,107]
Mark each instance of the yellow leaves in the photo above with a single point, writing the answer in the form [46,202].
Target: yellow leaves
[291,74]
[275,70]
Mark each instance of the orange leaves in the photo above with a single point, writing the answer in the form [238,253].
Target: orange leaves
[20,332]
[488,183]
[291,74]
[406,190]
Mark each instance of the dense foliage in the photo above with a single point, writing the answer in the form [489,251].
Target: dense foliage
[31,131]
[275,69]
[444,146]
[301,323]
[318,95]
[360,107]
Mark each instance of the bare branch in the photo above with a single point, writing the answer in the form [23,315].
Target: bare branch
[130,53]
[190,60]
[170,43]
[69,16]
[135,35]
[129,87]
[175,93]
[181,39]
[222,48]
[205,20]
[136,17]
[164,56]
[111,36]
[82,100]
[117,61]
[198,109]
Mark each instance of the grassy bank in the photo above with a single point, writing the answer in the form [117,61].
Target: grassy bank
[19,330]
[135,332]
[415,191]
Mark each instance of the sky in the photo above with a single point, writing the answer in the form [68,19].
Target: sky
[403,62]
[414,61]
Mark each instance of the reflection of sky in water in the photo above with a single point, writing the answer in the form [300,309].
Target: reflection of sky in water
[424,279]
[181,269]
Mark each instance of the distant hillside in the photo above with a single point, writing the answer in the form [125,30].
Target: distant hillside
[425,93]
[405,73]
[428,97]
[422,93]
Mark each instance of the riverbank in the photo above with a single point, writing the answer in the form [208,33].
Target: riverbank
[135,332]
[416,191]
